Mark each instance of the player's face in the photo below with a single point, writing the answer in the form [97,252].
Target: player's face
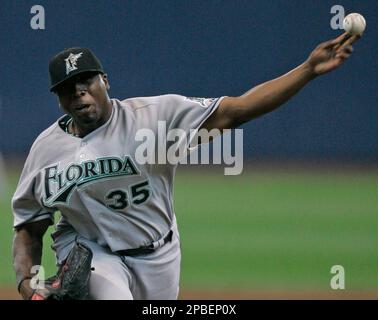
[85,98]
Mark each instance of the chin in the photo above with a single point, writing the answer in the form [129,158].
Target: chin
[88,120]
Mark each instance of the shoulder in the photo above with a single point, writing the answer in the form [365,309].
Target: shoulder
[145,102]
[47,134]
[40,151]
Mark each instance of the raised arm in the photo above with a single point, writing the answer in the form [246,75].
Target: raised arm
[264,98]
[27,252]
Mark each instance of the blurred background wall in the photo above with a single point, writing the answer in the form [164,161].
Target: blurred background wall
[271,232]
[198,48]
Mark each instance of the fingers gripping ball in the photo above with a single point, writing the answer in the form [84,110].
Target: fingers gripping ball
[354,24]
[71,281]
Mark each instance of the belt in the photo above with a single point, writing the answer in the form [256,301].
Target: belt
[146,249]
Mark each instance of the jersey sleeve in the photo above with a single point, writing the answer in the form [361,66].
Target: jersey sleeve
[187,113]
[25,205]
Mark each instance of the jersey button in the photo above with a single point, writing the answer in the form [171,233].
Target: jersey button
[83,144]
[82,156]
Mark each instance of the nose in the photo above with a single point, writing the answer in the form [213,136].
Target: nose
[80,89]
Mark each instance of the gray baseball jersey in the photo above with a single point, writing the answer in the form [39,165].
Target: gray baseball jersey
[102,192]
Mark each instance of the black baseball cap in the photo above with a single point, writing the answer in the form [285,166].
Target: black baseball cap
[71,62]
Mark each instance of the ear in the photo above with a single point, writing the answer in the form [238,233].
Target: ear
[60,105]
[57,98]
[106,81]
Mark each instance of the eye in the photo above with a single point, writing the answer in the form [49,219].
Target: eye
[63,89]
[89,80]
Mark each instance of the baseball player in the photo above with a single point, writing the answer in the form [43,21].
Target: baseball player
[84,166]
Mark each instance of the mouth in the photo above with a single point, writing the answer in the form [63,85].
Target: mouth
[82,106]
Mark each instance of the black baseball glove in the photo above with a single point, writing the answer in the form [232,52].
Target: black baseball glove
[71,281]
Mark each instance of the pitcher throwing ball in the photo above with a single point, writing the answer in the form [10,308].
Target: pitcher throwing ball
[84,166]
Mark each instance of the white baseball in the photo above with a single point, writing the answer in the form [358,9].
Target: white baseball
[354,23]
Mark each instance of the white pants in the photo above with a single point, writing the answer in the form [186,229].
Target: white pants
[152,276]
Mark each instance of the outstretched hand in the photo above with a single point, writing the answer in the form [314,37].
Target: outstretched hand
[331,54]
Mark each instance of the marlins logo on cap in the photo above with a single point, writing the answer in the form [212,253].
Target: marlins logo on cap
[71,62]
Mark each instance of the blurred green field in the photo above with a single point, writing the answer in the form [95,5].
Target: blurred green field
[266,229]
